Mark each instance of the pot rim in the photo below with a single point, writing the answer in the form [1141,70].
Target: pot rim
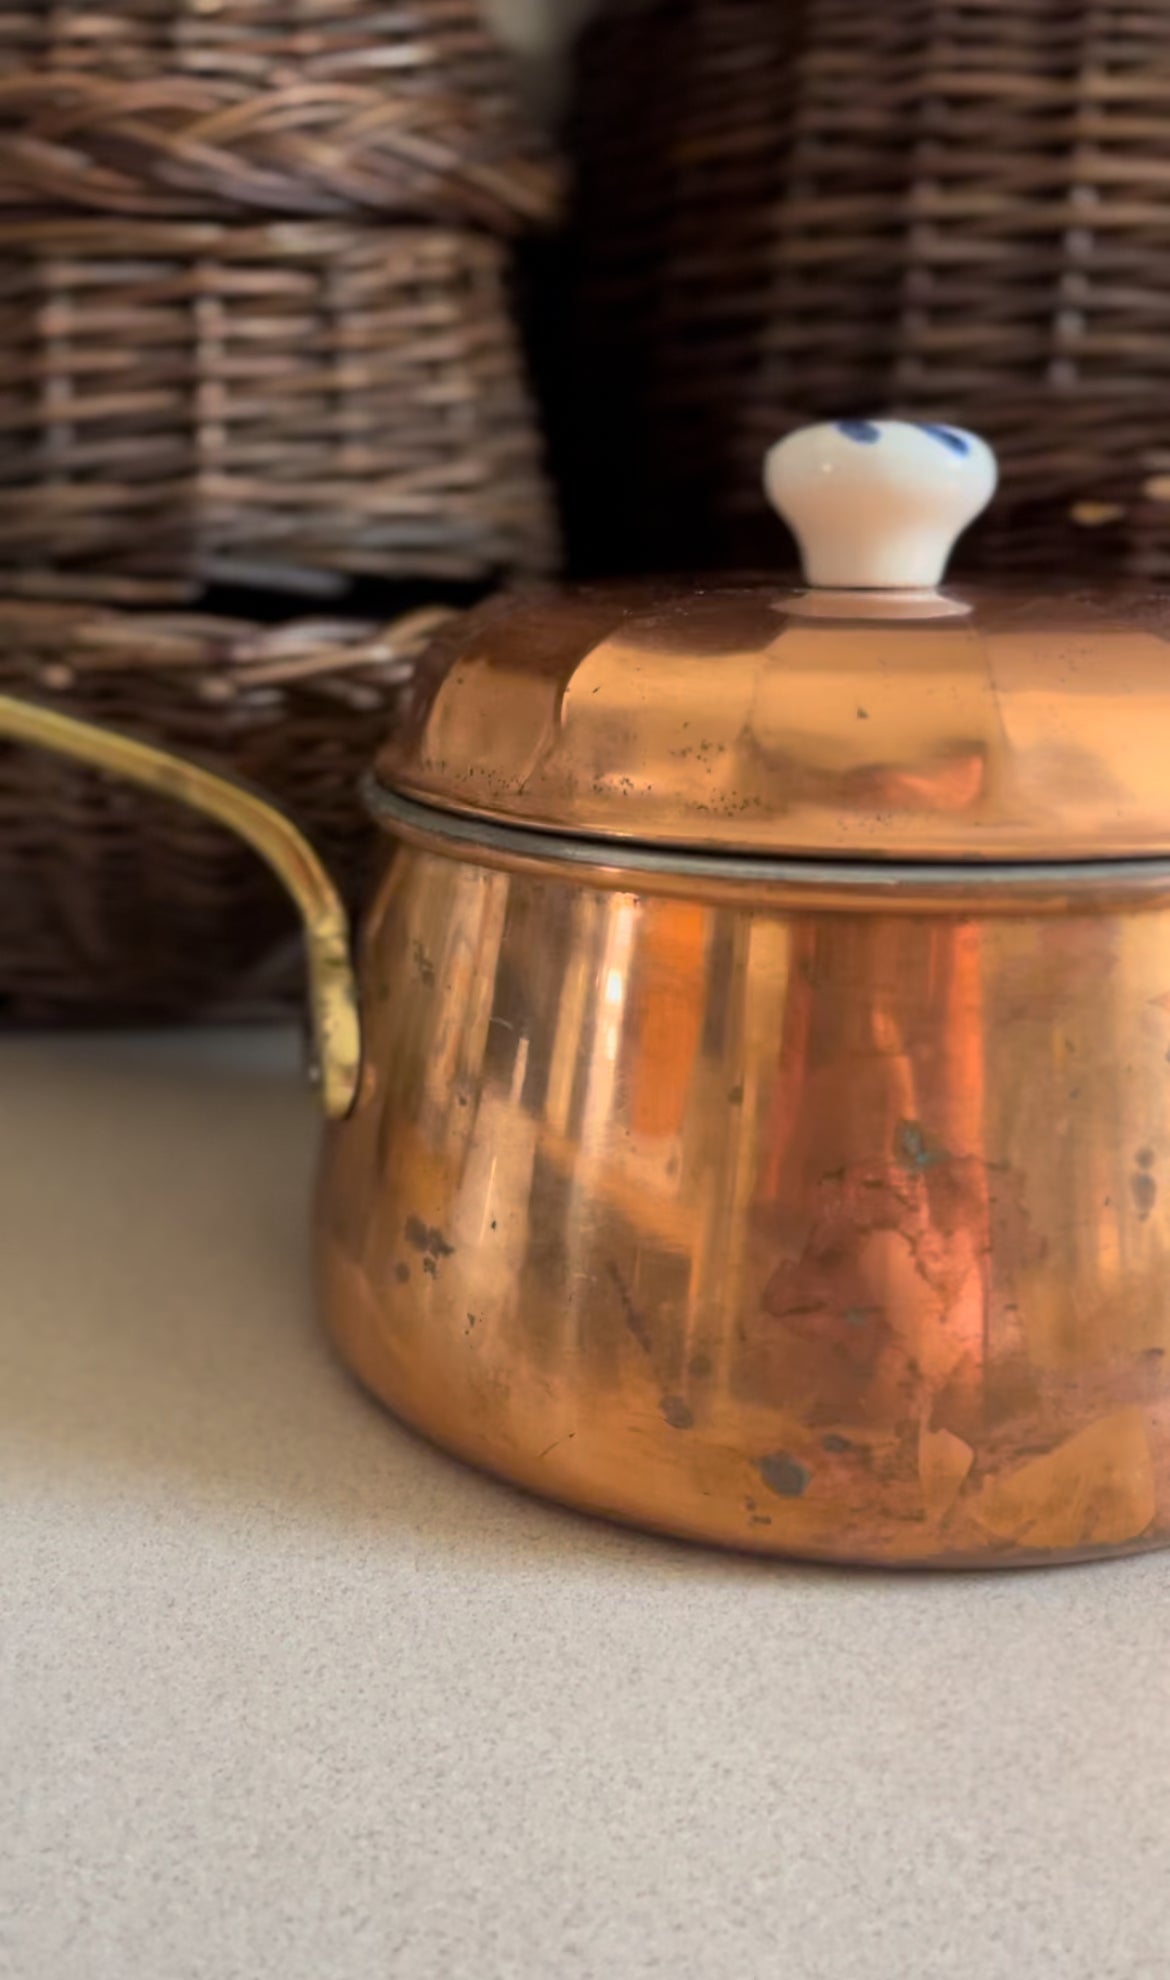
[891,886]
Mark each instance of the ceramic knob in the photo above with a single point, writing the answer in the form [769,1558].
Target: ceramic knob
[878,504]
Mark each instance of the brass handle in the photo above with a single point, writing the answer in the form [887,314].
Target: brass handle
[336,1025]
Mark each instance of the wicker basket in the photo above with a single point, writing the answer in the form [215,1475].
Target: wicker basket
[950,208]
[115,904]
[282,406]
[175,108]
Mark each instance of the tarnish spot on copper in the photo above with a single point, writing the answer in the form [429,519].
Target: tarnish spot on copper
[635,1320]
[677,1412]
[1142,1184]
[784,1474]
[425,1238]
[912,1149]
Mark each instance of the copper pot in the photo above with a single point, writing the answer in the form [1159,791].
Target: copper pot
[761,1124]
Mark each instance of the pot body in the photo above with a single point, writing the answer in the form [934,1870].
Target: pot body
[811,1216]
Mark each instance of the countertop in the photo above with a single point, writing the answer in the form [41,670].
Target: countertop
[285,1692]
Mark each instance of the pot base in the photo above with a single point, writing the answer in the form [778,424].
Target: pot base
[649,1460]
[583,1483]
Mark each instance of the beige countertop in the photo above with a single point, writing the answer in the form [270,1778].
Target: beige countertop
[284,1692]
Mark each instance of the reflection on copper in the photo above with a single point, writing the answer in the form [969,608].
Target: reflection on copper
[488,1223]
[839,1232]
[962,725]
[669,993]
[607,1013]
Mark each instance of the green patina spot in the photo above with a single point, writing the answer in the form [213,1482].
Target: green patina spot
[912,1148]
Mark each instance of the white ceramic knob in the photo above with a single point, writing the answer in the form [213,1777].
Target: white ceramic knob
[878,504]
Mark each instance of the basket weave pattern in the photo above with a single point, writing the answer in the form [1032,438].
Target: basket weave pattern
[115,903]
[256,332]
[953,209]
[178,109]
[284,406]
[251,40]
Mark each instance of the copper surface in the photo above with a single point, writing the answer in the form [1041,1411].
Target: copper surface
[266,829]
[806,1224]
[924,725]
[819,1210]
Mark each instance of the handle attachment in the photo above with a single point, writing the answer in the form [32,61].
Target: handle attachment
[336,1025]
[878,504]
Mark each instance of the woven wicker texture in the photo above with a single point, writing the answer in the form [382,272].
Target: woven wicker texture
[956,209]
[171,107]
[284,406]
[115,904]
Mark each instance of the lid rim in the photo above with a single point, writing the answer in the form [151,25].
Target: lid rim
[596,851]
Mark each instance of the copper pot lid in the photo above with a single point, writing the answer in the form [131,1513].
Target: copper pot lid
[871,712]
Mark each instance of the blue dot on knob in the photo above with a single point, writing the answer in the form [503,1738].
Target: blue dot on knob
[948,436]
[862,430]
